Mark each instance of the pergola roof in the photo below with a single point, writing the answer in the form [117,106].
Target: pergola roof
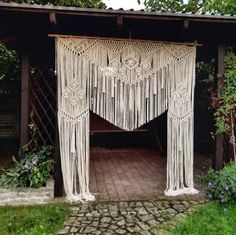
[34,8]
[30,23]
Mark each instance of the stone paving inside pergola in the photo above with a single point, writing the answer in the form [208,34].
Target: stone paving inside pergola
[128,174]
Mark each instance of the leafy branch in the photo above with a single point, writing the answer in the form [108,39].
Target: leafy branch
[227,100]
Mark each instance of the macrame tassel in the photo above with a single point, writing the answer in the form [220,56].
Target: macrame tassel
[104,84]
[155,84]
[130,98]
[72,145]
[112,87]
[147,88]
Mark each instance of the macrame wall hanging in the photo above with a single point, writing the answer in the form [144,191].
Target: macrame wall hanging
[128,84]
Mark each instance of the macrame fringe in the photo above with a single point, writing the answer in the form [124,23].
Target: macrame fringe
[128,84]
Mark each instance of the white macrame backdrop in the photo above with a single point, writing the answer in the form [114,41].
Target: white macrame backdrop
[128,84]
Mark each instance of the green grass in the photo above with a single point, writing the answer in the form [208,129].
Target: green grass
[32,220]
[211,219]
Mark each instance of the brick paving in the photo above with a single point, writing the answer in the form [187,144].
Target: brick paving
[128,174]
[139,218]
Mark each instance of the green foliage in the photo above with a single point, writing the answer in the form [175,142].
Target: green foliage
[71,3]
[212,219]
[9,63]
[210,6]
[164,5]
[228,96]
[32,220]
[33,170]
[221,185]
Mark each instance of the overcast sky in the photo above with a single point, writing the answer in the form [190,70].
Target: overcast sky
[125,4]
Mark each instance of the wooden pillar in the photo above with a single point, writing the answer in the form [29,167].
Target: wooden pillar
[58,180]
[218,153]
[24,118]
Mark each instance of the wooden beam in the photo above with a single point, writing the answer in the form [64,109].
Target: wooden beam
[24,119]
[218,153]
[119,21]
[186,24]
[53,18]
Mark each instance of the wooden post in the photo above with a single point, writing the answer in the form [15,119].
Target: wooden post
[24,119]
[217,161]
[58,180]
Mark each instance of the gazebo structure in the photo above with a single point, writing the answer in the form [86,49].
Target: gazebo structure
[145,51]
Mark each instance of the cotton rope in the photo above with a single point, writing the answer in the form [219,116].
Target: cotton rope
[128,84]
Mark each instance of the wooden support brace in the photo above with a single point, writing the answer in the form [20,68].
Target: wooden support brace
[119,20]
[53,19]
[186,24]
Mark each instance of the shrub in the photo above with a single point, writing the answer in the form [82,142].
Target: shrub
[221,185]
[33,170]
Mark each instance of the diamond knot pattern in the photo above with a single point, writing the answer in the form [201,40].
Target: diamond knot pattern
[74,86]
[114,63]
[74,93]
[180,96]
[145,65]
[130,62]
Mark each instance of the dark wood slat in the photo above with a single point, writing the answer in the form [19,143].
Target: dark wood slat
[39,133]
[44,96]
[47,85]
[42,123]
[43,109]
[43,103]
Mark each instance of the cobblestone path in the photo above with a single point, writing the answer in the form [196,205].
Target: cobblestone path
[144,218]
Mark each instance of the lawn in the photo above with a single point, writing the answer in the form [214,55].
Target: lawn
[211,219]
[32,220]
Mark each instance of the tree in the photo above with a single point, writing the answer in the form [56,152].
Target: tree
[209,6]
[69,3]
[9,63]
[164,5]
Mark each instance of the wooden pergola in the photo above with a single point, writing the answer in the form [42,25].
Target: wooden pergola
[30,30]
